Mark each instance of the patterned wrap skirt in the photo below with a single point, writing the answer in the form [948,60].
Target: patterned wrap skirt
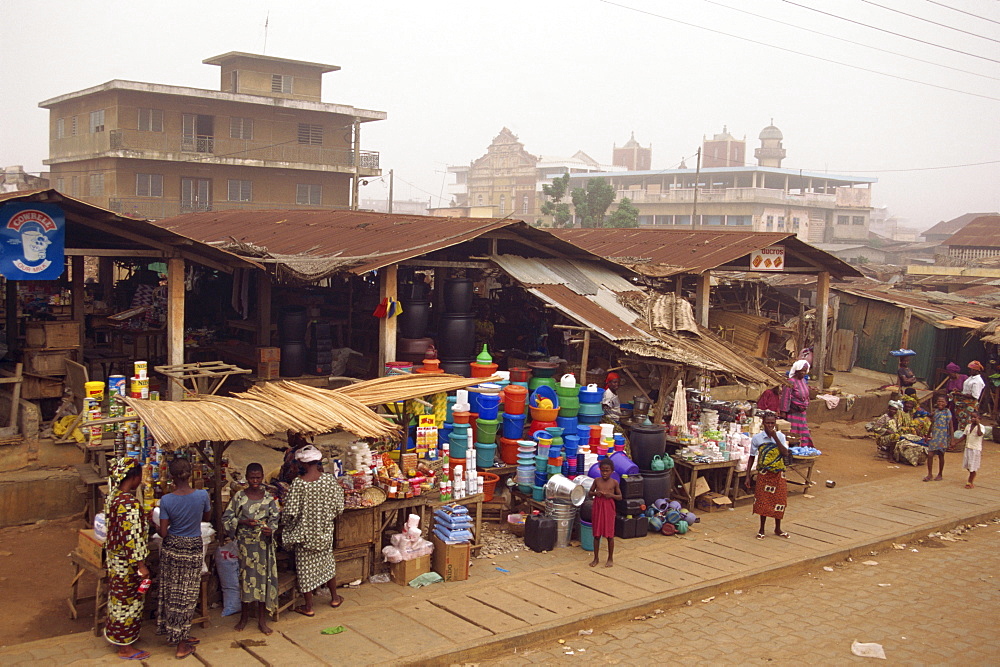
[180,584]
[770,494]
[800,427]
[124,602]
[314,567]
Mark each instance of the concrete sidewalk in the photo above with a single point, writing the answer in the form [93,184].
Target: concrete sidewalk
[548,595]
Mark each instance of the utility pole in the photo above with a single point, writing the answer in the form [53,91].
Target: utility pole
[390,191]
[694,206]
[357,164]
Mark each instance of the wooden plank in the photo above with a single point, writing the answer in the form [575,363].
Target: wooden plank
[513,605]
[800,530]
[557,602]
[386,325]
[623,590]
[693,568]
[480,614]
[704,557]
[382,627]
[432,616]
[671,576]
[728,553]
[619,576]
[175,320]
[568,586]
[831,529]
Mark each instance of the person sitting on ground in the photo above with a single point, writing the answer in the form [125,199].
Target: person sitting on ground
[973,436]
[311,508]
[610,402]
[768,449]
[886,430]
[252,518]
[181,557]
[605,491]
[940,439]
[770,399]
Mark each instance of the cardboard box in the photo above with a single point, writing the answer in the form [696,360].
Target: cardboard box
[408,570]
[451,561]
[89,547]
[712,501]
[266,354]
[269,370]
[701,487]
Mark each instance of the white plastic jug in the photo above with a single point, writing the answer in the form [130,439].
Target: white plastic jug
[568,381]
[591,387]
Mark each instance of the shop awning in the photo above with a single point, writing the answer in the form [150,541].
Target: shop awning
[658,326]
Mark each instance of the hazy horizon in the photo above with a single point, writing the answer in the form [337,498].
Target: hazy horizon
[568,76]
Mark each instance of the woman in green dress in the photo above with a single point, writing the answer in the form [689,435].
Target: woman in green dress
[252,517]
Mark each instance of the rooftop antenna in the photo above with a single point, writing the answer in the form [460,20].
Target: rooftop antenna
[267,20]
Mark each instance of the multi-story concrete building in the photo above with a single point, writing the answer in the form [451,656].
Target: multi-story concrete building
[817,207]
[508,180]
[264,140]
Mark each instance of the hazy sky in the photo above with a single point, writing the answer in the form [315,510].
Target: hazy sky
[566,76]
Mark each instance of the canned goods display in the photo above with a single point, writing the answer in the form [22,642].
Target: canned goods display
[140,368]
[116,385]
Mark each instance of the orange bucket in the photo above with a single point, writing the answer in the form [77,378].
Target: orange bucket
[514,399]
[489,484]
[508,450]
[461,417]
[478,370]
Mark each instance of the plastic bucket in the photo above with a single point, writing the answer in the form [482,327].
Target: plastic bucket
[564,392]
[513,426]
[485,454]
[590,419]
[586,535]
[398,367]
[508,450]
[486,430]
[520,374]
[591,394]
[538,492]
[489,404]
[479,370]
[514,399]
[562,488]
[569,406]
[569,424]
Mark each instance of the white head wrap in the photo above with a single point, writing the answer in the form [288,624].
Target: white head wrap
[896,404]
[800,365]
[308,454]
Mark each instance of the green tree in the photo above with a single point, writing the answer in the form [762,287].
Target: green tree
[625,215]
[592,202]
[554,205]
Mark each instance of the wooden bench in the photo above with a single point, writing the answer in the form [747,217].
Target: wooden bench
[287,583]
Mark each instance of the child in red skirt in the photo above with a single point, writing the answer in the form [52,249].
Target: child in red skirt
[605,492]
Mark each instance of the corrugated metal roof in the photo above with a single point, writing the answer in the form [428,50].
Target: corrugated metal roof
[666,252]
[983,232]
[581,277]
[588,313]
[95,227]
[942,306]
[953,225]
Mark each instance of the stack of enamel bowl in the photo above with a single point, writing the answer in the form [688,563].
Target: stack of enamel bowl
[525,465]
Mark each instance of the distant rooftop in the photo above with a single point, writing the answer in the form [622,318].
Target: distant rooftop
[844,178]
[235,55]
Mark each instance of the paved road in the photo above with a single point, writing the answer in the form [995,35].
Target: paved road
[940,605]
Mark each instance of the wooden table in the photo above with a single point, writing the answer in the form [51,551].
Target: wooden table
[424,505]
[200,377]
[82,566]
[694,469]
[803,467]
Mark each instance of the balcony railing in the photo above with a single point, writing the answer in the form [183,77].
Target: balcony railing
[746,195]
[158,209]
[169,146]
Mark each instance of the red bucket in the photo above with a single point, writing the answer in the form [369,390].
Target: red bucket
[514,399]
[508,450]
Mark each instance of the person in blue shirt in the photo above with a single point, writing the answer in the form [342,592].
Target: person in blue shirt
[770,490]
[181,514]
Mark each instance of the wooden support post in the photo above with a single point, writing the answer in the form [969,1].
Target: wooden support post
[666,376]
[106,277]
[904,341]
[822,314]
[584,357]
[77,291]
[679,285]
[263,309]
[800,333]
[12,324]
[175,320]
[702,296]
[387,325]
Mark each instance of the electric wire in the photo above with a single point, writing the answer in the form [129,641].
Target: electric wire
[799,53]
[921,18]
[851,41]
[889,32]
[962,11]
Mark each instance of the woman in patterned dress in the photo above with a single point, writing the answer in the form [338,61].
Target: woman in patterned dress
[770,489]
[795,402]
[887,429]
[252,517]
[127,548]
[311,507]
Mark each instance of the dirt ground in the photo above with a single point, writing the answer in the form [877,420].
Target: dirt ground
[35,574]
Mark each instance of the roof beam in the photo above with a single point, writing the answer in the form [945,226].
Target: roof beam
[506,236]
[445,264]
[113,252]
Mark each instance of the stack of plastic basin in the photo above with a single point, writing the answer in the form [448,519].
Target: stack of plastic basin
[569,400]
[541,374]
[590,409]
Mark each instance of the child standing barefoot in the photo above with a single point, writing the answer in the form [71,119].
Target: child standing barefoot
[973,435]
[605,492]
[940,439]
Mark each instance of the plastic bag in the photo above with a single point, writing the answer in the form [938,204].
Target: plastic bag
[227,565]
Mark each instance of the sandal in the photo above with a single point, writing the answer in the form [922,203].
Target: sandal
[304,612]
[760,536]
[336,603]
[928,478]
[138,655]
[783,534]
[186,653]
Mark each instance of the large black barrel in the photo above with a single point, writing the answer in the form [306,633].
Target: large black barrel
[292,325]
[293,359]
[415,318]
[656,484]
[645,442]
[456,337]
[458,296]
[457,367]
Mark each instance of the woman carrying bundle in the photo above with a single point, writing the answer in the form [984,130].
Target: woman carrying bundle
[795,402]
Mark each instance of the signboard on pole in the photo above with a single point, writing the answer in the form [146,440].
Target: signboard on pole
[768,259]
[32,241]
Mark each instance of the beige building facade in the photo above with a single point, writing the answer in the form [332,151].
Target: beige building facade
[264,140]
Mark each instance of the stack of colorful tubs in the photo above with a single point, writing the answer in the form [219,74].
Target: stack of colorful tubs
[520,376]
[590,411]
[525,465]
[541,374]
[569,396]
[541,464]
[544,407]
[487,425]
